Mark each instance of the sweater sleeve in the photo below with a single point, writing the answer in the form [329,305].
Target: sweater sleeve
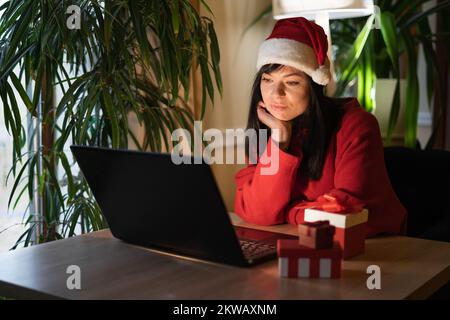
[262,198]
[295,212]
[359,166]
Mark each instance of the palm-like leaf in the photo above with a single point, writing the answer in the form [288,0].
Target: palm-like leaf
[128,57]
[403,27]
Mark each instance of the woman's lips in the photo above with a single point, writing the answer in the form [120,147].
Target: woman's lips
[278,106]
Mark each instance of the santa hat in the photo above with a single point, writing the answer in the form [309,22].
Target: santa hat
[298,43]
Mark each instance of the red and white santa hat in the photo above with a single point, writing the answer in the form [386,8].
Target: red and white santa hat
[298,43]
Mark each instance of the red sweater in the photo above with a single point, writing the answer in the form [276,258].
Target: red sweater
[354,173]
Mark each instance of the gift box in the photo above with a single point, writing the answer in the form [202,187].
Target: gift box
[316,235]
[297,261]
[351,229]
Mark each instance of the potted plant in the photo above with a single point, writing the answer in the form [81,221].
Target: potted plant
[123,58]
[404,27]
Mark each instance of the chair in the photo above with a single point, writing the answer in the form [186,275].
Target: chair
[421,180]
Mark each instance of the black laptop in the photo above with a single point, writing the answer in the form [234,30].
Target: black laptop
[149,201]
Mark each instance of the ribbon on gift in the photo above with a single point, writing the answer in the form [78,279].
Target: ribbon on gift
[330,203]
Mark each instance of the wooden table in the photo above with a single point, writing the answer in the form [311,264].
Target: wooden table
[112,269]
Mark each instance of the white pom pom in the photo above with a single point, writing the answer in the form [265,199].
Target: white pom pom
[321,75]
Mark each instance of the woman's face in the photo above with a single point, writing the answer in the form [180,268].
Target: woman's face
[285,92]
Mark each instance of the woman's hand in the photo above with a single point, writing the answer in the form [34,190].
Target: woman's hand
[269,120]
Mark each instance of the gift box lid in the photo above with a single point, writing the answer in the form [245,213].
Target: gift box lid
[313,229]
[339,220]
[290,248]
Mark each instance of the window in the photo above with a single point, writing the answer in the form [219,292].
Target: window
[11,226]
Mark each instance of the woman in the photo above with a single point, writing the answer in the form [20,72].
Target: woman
[330,150]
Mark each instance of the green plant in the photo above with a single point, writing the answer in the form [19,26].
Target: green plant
[375,54]
[364,53]
[129,56]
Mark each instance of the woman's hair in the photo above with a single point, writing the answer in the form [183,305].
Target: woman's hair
[321,119]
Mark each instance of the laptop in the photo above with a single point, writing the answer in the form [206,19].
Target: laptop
[149,201]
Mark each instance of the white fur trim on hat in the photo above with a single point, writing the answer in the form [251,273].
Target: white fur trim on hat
[294,54]
[321,75]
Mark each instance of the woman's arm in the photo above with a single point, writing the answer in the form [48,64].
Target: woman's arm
[260,198]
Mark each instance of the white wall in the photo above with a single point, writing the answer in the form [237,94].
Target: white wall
[238,67]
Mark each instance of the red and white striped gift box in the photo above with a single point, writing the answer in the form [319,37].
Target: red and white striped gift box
[297,261]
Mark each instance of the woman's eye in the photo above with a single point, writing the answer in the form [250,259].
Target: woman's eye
[292,83]
[266,80]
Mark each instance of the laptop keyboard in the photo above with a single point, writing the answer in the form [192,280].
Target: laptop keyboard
[254,249]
